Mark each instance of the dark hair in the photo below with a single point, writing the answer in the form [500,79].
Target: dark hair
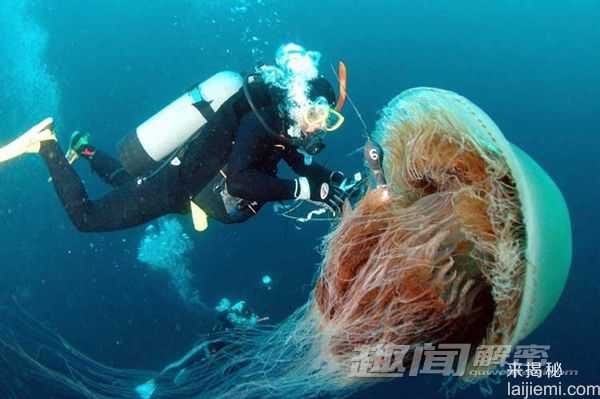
[320,87]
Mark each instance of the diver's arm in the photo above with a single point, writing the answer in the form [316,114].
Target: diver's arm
[313,171]
[252,145]
[317,183]
[243,179]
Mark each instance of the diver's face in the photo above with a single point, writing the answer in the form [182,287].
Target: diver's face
[309,129]
[313,119]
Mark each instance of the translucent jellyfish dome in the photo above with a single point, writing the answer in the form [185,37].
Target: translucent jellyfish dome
[470,241]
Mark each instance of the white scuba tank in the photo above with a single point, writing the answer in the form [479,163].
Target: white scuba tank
[169,129]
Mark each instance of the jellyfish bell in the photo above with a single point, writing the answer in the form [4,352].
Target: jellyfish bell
[472,244]
[547,246]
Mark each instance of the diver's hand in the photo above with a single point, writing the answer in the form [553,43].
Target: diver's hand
[337,178]
[325,193]
[352,187]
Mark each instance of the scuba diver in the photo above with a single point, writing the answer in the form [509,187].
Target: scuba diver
[213,152]
[230,317]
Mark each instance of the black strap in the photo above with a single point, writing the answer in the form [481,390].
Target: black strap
[282,137]
[262,121]
[205,109]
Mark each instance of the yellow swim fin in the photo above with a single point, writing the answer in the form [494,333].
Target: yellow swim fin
[30,141]
[199,217]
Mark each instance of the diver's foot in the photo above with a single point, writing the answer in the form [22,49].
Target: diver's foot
[146,390]
[79,146]
[37,135]
[29,142]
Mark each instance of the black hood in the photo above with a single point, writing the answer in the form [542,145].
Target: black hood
[320,87]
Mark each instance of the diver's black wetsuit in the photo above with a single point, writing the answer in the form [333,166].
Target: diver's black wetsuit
[234,139]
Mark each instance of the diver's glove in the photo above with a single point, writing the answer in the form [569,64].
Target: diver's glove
[354,187]
[325,192]
[337,178]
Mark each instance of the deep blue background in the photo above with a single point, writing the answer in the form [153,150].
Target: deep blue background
[532,65]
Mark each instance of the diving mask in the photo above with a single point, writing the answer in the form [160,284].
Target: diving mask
[321,116]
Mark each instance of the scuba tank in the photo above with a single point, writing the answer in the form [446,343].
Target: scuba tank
[169,129]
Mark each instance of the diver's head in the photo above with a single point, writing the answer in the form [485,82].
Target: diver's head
[238,315]
[317,117]
[308,101]
[319,114]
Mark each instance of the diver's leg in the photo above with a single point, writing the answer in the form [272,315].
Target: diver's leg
[106,167]
[173,374]
[109,169]
[197,354]
[130,205]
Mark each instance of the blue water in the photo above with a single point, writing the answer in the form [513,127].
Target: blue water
[532,65]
